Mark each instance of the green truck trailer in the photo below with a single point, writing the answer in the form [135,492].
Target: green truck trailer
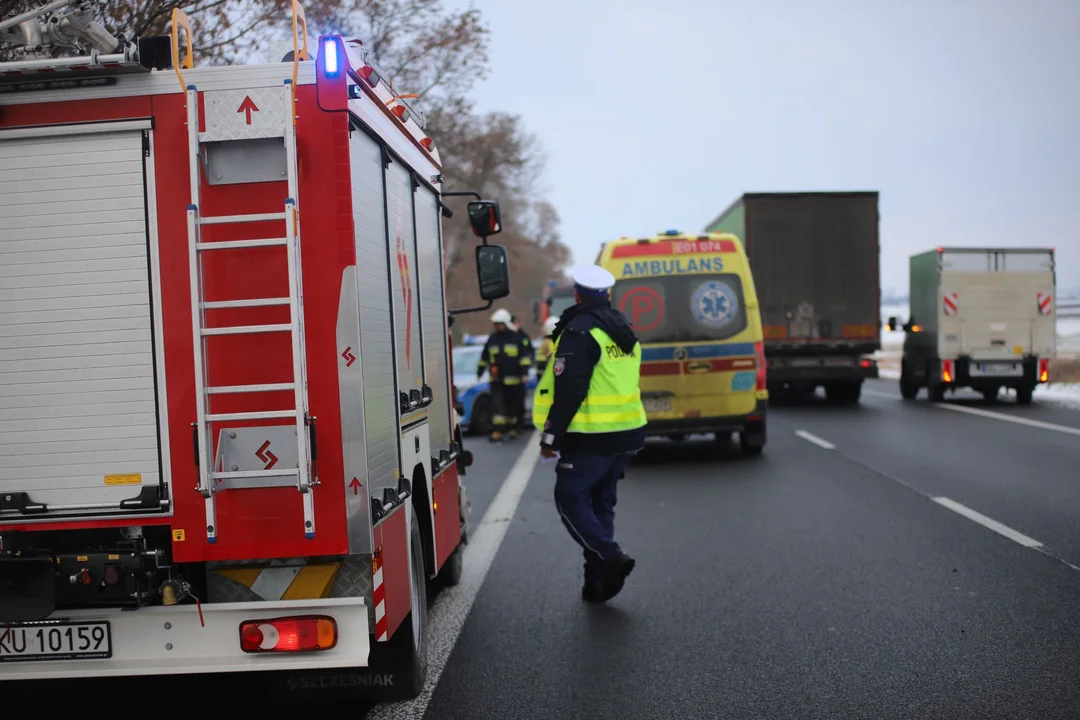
[981,318]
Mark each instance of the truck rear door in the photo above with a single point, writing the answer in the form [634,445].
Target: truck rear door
[80,402]
[997,304]
[815,263]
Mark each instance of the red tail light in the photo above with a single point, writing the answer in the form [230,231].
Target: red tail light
[759,351]
[1044,370]
[288,634]
[947,371]
[864,363]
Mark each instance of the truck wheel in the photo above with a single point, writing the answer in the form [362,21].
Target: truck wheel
[1024,395]
[843,393]
[406,653]
[908,388]
[452,570]
[991,394]
[936,392]
[481,416]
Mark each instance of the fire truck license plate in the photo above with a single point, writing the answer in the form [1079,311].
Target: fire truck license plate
[55,641]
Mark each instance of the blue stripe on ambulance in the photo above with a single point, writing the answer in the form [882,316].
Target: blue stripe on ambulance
[698,352]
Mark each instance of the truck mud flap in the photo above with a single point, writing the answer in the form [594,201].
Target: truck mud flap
[27,589]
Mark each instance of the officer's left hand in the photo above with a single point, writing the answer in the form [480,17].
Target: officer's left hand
[548,452]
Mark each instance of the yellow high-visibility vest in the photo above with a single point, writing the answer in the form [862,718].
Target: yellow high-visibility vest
[614,400]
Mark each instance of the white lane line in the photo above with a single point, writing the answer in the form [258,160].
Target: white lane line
[815,439]
[447,615]
[986,522]
[1010,418]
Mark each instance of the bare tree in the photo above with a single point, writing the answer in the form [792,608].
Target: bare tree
[435,53]
[224,30]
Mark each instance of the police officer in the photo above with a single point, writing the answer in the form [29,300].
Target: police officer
[504,358]
[589,406]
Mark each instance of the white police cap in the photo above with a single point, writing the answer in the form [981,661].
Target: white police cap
[593,277]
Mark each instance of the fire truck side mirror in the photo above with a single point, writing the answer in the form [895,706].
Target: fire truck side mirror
[485,218]
[492,271]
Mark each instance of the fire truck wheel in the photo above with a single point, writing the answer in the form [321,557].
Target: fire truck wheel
[451,572]
[406,653]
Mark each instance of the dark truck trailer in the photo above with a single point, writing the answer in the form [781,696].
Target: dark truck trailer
[814,256]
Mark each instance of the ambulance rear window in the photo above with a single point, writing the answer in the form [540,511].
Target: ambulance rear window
[682,308]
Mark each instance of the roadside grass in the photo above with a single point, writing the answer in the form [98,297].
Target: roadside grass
[1065,370]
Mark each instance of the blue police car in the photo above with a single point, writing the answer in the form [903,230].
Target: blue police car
[474,396]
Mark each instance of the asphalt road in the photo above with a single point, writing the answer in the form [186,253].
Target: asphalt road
[840,575]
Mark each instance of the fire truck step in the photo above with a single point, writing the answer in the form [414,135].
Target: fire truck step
[247,329]
[243,474]
[254,302]
[231,219]
[238,244]
[271,387]
[259,415]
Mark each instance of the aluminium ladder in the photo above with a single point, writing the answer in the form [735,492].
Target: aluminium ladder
[210,475]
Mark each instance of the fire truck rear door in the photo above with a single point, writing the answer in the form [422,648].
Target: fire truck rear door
[79,401]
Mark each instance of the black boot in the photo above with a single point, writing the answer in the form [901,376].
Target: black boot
[615,575]
[593,591]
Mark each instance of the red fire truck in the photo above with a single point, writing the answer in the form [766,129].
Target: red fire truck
[555,299]
[227,438]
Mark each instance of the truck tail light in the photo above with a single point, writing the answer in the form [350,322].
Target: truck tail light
[288,634]
[759,351]
[1044,370]
[947,371]
[864,363]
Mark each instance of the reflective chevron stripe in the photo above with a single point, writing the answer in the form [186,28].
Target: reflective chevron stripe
[378,598]
[284,582]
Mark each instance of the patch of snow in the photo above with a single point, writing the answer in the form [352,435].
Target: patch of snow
[1063,393]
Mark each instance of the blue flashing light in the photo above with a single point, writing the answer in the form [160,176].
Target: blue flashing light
[672,232]
[552,283]
[330,57]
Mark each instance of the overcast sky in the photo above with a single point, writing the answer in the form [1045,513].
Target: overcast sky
[657,114]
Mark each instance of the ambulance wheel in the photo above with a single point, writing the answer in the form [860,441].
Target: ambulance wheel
[752,439]
[405,655]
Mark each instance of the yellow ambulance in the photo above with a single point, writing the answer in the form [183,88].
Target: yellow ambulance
[692,303]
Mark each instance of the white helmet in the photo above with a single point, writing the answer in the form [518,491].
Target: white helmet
[549,325]
[501,315]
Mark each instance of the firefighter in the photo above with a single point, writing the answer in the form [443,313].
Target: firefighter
[546,345]
[589,405]
[504,359]
[526,354]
